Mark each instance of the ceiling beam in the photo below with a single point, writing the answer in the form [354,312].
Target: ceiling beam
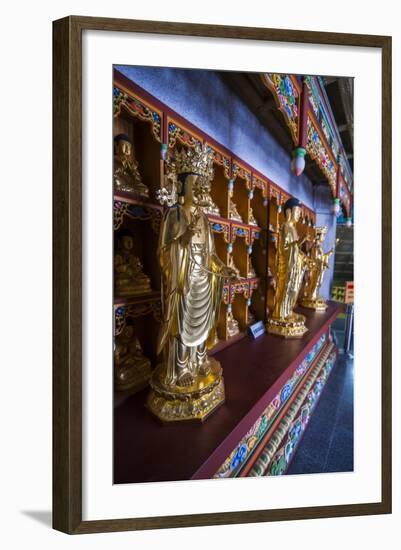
[346,89]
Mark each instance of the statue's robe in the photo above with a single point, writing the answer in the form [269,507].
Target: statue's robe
[320,262]
[290,271]
[192,284]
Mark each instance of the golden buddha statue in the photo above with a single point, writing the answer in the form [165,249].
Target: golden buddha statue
[132,369]
[126,174]
[129,278]
[291,263]
[188,384]
[203,197]
[232,325]
[213,341]
[252,219]
[319,262]
[251,317]
[251,270]
[232,265]
[233,213]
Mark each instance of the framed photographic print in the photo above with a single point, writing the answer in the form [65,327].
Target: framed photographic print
[217,193]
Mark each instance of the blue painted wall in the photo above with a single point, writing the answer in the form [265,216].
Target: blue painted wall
[204,99]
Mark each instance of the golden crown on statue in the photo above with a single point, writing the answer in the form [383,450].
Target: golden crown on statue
[195,160]
[322,230]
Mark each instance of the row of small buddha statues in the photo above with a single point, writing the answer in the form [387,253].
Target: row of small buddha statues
[127,178]
[188,384]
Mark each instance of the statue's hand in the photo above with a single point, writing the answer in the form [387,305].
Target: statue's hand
[273,283]
[189,233]
[229,273]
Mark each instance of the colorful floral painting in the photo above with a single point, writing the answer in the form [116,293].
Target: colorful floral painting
[243,450]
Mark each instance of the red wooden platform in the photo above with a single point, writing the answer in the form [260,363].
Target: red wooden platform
[254,372]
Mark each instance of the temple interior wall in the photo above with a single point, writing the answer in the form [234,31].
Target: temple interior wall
[206,101]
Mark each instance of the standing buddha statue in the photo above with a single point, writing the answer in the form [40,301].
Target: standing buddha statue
[126,174]
[290,268]
[188,384]
[319,262]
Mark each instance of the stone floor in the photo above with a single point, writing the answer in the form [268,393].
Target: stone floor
[327,445]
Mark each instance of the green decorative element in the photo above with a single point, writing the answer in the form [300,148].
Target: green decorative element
[279,467]
[282,458]
[163,151]
[243,450]
[298,152]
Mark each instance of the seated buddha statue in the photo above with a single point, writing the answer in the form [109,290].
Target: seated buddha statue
[131,368]
[233,266]
[251,317]
[126,174]
[232,325]
[130,280]
[233,213]
[252,219]
[203,197]
[251,270]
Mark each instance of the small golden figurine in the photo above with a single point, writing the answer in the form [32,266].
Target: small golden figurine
[129,278]
[203,197]
[233,213]
[291,264]
[252,219]
[132,369]
[188,385]
[213,341]
[319,262]
[232,325]
[126,174]
[251,317]
[251,270]
[232,265]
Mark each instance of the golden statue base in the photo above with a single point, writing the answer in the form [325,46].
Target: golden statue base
[287,328]
[318,305]
[178,403]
